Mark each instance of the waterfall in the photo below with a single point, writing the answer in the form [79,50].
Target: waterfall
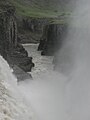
[12,103]
[66,98]
[64,95]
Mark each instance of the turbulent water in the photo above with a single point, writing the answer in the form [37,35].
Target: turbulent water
[12,103]
[45,91]
[63,95]
[67,96]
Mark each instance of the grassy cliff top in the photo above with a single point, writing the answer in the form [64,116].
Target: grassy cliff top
[39,8]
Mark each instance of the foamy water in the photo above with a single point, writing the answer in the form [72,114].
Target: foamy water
[12,103]
[45,92]
[43,64]
[56,97]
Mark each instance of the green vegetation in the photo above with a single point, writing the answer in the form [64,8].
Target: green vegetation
[37,8]
[58,22]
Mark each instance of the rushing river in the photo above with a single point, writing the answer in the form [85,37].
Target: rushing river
[44,92]
[64,95]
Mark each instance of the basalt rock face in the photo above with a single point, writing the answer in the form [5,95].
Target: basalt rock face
[31,29]
[19,57]
[8,30]
[34,25]
[52,39]
[10,49]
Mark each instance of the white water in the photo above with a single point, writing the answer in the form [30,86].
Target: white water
[12,103]
[45,92]
[56,97]
[52,95]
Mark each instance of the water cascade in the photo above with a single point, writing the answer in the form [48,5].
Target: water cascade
[12,103]
[66,98]
[63,95]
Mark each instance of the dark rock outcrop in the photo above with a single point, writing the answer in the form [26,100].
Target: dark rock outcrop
[43,39]
[34,24]
[52,39]
[19,57]
[31,29]
[8,30]
[13,52]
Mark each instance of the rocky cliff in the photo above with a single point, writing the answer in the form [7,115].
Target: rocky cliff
[8,30]
[47,30]
[10,49]
[12,104]
[52,39]
[30,29]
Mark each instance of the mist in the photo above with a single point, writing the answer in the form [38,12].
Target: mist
[63,94]
[74,62]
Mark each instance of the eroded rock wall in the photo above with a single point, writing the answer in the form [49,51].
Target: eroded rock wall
[52,39]
[10,49]
[8,31]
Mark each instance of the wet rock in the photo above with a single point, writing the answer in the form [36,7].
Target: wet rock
[52,39]
[8,29]
[20,49]
[19,57]
[10,49]
[42,44]
[34,24]
[20,74]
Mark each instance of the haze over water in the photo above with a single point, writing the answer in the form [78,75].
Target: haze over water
[66,96]
[74,59]
[63,95]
